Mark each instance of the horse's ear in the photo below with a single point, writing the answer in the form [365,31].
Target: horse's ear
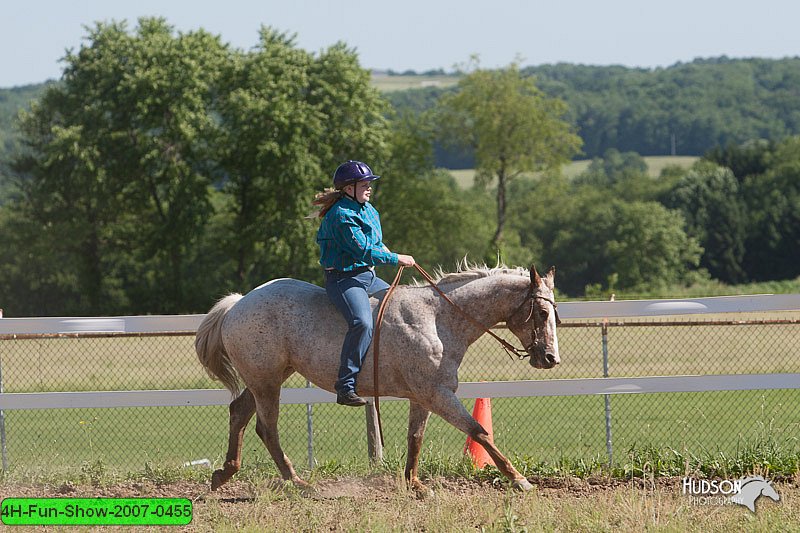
[535,279]
[550,277]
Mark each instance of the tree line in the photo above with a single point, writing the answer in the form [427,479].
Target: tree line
[166,169]
[731,217]
[684,109]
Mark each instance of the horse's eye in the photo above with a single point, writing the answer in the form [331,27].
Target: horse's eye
[543,314]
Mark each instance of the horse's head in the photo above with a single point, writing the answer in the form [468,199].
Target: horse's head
[534,322]
[751,489]
[760,487]
[770,492]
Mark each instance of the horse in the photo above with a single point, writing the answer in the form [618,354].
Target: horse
[753,488]
[286,326]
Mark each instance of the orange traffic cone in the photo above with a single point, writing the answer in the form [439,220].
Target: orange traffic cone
[482,413]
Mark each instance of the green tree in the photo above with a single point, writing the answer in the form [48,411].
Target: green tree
[512,127]
[535,208]
[623,174]
[66,188]
[353,113]
[596,239]
[73,210]
[710,201]
[266,132]
[37,278]
[614,167]
[773,198]
[747,159]
[116,163]
[423,210]
[649,246]
[287,119]
[166,91]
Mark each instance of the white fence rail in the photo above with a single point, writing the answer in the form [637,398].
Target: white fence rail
[625,308]
[467,390]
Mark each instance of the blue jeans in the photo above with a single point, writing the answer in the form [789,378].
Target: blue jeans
[350,293]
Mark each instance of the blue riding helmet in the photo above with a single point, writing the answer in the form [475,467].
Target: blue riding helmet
[351,172]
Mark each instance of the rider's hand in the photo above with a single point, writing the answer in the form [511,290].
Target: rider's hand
[405,260]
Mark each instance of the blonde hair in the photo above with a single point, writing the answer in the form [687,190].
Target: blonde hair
[324,201]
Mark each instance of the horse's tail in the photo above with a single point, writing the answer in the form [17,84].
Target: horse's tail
[209,347]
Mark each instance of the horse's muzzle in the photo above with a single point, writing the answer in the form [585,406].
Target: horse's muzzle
[543,359]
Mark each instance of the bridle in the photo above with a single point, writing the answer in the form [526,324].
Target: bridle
[507,346]
[531,298]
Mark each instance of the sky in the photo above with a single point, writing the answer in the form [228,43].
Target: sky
[423,35]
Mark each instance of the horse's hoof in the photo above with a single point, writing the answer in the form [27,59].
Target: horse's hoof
[522,484]
[218,478]
[420,490]
[306,489]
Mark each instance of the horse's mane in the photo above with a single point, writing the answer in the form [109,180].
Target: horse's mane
[750,479]
[466,271]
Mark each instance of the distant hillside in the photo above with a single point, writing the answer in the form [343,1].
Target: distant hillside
[685,109]
[691,106]
[11,101]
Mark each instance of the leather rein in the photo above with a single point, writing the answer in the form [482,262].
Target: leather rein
[507,346]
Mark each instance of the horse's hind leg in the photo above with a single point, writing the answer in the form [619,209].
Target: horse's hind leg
[417,420]
[445,404]
[241,411]
[267,403]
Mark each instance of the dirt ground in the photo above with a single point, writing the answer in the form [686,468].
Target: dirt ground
[382,502]
[374,487]
[236,500]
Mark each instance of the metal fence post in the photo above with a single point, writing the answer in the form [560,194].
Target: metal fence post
[3,417]
[607,397]
[310,427]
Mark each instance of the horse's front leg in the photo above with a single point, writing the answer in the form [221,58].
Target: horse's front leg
[444,403]
[241,411]
[417,420]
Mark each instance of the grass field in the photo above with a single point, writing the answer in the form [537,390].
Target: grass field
[385,83]
[534,429]
[540,430]
[655,164]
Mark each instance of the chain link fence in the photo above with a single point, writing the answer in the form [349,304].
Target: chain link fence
[548,428]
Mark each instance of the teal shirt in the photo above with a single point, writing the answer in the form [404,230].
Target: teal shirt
[350,237]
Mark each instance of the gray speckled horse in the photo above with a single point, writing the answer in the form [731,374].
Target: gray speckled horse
[287,326]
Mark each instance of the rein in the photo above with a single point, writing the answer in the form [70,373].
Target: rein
[507,346]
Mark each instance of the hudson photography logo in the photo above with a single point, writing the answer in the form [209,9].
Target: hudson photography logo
[744,491]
